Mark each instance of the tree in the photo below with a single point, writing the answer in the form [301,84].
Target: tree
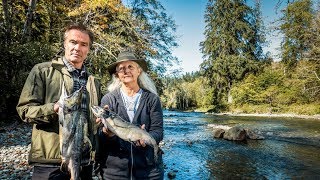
[158,31]
[30,33]
[27,25]
[142,26]
[296,24]
[232,46]
[308,70]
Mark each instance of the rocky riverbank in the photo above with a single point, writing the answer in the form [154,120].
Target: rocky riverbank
[14,147]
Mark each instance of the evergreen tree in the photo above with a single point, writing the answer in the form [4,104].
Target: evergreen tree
[158,30]
[310,70]
[296,25]
[232,46]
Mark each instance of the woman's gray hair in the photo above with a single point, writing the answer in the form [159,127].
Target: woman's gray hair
[144,82]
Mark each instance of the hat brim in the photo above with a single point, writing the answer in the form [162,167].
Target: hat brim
[142,63]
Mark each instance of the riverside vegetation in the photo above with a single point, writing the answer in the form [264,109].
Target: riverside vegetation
[269,92]
[235,75]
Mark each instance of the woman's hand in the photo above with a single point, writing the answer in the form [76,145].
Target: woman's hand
[141,142]
[105,130]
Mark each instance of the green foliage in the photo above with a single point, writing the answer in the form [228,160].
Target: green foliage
[158,30]
[307,109]
[180,93]
[16,62]
[307,73]
[255,84]
[296,25]
[244,92]
[272,88]
[149,33]
[233,44]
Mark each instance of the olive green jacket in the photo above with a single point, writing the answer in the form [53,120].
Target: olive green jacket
[41,91]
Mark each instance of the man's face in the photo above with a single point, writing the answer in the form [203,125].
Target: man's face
[77,46]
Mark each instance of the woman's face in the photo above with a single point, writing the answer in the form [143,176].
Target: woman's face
[128,72]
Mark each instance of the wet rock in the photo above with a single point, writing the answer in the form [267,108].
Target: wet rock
[189,142]
[218,133]
[172,175]
[269,133]
[235,134]
[252,135]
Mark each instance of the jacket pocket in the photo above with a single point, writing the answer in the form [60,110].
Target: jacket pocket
[45,145]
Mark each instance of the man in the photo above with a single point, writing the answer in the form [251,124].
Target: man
[38,103]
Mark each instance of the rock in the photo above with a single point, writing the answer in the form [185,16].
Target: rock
[15,145]
[189,142]
[219,133]
[171,175]
[235,134]
[253,135]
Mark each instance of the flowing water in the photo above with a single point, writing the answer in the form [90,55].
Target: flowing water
[290,150]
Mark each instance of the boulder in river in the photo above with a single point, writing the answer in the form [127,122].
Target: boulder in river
[253,135]
[218,133]
[236,134]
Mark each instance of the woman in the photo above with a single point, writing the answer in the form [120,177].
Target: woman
[132,95]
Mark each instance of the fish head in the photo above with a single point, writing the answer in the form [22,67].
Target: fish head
[99,112]
[73,101]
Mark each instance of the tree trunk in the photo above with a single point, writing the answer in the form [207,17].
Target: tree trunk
[229,92]
[230,99]
[27,25]
[6,21]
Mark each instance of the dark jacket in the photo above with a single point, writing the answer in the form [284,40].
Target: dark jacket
[115,153]
[39,94]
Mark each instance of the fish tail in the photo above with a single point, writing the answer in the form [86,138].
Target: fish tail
[74,168]
[156,151]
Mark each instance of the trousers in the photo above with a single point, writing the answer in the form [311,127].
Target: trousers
[54,173]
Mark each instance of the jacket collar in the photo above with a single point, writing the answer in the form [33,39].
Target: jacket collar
[58,64]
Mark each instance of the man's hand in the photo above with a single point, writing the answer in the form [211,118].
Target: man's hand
[56,107]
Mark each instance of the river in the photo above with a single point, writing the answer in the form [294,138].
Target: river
[290,150]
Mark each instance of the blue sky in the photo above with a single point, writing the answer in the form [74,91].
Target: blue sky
[189,17]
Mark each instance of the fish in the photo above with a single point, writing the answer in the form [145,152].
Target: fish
[73,128]
[123,129]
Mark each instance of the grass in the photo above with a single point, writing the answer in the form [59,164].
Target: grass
[299,109]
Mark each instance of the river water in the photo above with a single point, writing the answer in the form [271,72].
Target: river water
[290,150]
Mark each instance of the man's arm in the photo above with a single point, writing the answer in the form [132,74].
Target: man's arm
[31,107]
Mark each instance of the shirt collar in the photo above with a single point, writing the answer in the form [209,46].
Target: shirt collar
[71,68]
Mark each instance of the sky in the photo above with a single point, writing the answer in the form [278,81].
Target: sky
[189,17]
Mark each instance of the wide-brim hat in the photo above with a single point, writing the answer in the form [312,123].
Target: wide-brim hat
[127,56]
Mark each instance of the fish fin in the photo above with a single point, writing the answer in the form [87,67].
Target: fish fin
[121,124]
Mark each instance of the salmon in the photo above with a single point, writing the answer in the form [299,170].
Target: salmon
[72,130]
[123,129]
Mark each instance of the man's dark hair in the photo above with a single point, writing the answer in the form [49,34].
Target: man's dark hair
[80,27]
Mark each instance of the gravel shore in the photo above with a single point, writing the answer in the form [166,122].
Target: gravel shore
[14,148]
